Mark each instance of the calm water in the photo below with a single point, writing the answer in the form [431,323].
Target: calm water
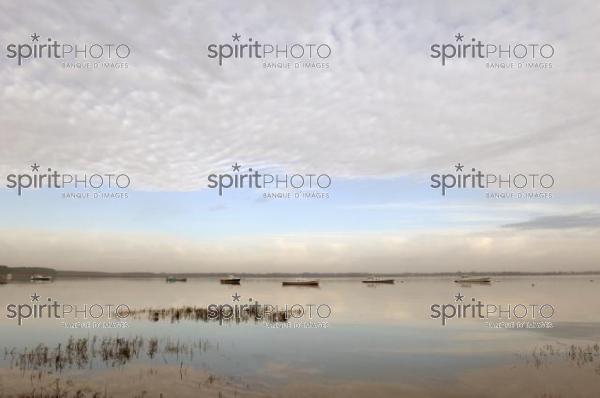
[376,334]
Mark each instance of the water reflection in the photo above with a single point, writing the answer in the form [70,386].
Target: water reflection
[377,334]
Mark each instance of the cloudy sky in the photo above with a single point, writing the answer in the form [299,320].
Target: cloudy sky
[380,121]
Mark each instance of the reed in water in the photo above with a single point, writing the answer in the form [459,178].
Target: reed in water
[79,353]
[225,313]
[578,355]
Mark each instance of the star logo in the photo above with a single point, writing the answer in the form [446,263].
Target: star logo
[236,297]
[236,167]
[35,37]
[35,167]
[35,297]
[236,37]
[459,37]
[459,297]
[459,167]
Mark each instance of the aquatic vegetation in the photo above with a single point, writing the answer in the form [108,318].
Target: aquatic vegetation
[578,355]
[225,313]
[79,353]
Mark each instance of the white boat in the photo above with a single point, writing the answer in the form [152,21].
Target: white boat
[39,277]
[301,282]
[374,279]
[474,279]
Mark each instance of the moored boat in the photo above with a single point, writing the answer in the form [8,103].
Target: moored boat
[301,282]
[39,277]
[469,279]
[231,280]
[172,278]
[374,279]
[5,278]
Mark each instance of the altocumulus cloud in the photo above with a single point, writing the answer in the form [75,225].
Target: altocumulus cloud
[383,109]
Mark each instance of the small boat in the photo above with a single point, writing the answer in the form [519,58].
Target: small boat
[38,277]
[231,280]
[373,279]
[301,282]
[474,279]
[172,278]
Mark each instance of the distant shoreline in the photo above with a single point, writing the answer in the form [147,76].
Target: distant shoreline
[26,272]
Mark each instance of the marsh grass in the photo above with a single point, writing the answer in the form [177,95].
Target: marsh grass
[577,355]
[80,353]
[250,313]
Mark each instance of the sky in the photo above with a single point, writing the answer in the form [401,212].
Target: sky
[380,121]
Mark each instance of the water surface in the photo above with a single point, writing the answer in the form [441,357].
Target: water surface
[376,336]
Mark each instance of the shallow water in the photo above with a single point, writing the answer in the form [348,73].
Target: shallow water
[377,334]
